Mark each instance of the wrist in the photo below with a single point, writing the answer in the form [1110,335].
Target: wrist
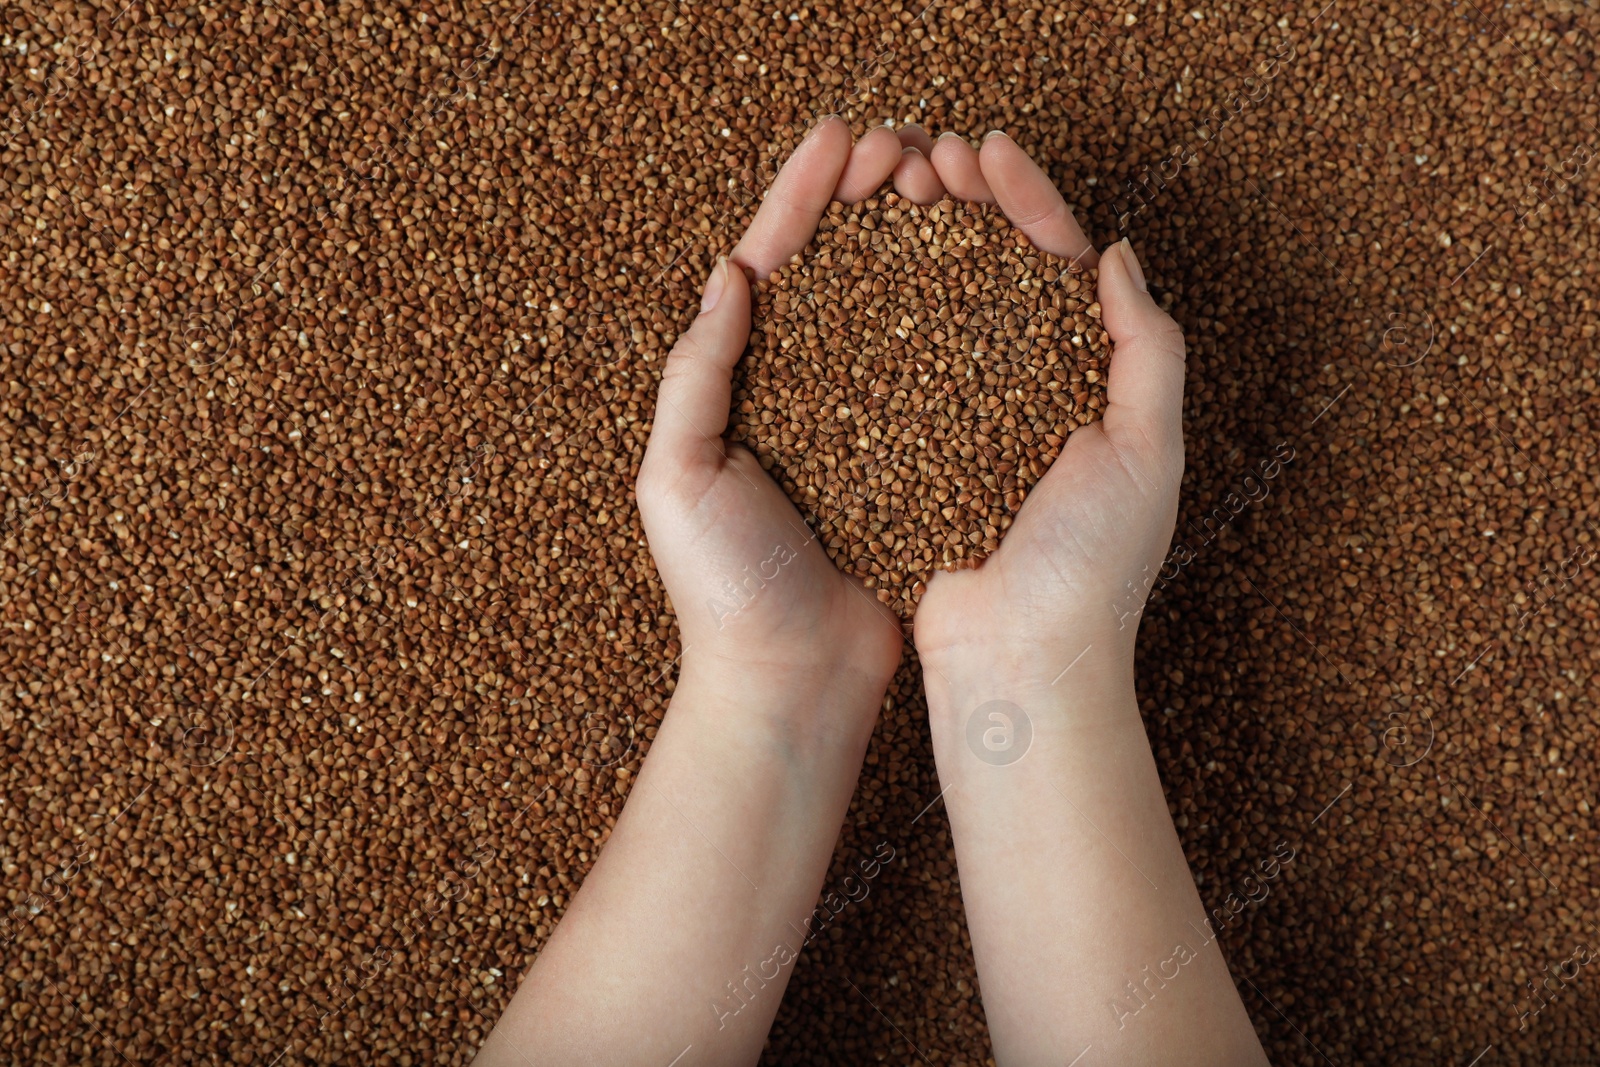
[805,701]
[814,656]
[1086,677]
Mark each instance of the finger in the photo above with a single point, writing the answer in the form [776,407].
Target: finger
[1031,201]
[915,178]
[914,136]
[872,160]
[799,195]
[956,163]
[1144,393]
[696,391]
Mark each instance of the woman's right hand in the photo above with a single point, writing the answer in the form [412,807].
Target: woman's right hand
[1069,573]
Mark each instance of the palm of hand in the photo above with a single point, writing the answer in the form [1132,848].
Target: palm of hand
[1078,558]
[776,596]
[746,577]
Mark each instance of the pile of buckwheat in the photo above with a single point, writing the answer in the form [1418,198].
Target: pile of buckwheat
[910,376]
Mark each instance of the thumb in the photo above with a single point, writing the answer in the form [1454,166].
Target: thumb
[692,405]
[1144,395]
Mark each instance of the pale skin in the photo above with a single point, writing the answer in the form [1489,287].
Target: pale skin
[1072,876]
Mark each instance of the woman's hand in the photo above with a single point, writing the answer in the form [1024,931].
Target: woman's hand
[1072,874]
[712,874]
[1074,567]
[752,587]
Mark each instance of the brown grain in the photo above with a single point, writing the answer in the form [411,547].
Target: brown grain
[329,341]
[911,375]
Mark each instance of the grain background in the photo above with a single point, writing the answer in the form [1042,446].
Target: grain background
[329,644]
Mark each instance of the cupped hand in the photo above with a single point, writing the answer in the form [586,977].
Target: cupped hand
[1077,562]
[751,585]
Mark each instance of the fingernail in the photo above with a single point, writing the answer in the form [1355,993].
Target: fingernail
[1135,271]
[993,134]
[715,285]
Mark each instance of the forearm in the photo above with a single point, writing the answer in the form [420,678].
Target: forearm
[685,932]
[1119,957]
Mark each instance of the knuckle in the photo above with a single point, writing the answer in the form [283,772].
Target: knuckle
[687,353]
[1056,212]
[1168,335]
[675,375]
[655,488]
[679,376]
